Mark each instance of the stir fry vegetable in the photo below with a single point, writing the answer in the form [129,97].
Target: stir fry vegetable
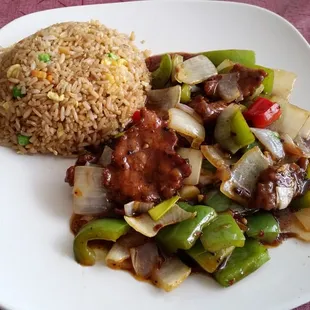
[245,57]
[195,70]
[186,93]
[242,262]
[207,260]
[89,196]
[222,233]
[161,76]
[214,169]
[263,226]
[145,225]
[184,234]
[268,81]
[160,210]
[263,113]
[103,229]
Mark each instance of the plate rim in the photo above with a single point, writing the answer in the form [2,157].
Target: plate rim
[275,15]
[294,301]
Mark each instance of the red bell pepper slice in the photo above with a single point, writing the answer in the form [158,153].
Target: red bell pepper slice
[262,113]
[136,117]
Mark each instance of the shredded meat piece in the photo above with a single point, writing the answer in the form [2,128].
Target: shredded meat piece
[145,165]
[210,85]
[208,111]
[249,79]
[70,176]
[81,161]
[287,176]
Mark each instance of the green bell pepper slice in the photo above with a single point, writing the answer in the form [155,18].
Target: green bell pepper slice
[269,79]
[241,132]
[185,93]
[222,233]
[161,209]
[183,235]
[218,201]
[244,57]
[162,74]
[263,226]
[242,262]
[208,261]
[101,229]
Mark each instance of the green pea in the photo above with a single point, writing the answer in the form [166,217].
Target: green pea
[44,57]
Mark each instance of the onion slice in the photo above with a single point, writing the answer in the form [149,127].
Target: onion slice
[244,175]
[218,159]
[283,83]
[291,225]
[194,158]
[190,111]
[225,66]
[303,138]
[292,119]
[270,141]
[176,60]
[290,147]
[285,195]
[161,100]
[137,207]
[195,70]
[89,195]
[145,258]
[303,216]
[145,225]
[228,87]
[117,255]
[171,274]
[106,156]
[186,125]
[222,132]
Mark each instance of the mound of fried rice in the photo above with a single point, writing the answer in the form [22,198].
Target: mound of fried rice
[69,86]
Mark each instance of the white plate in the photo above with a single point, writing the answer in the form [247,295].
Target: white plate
[37,269]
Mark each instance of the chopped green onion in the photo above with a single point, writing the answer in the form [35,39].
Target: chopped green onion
[17,93]
[118,135]
[161,209]
[113,56]
[44,57]
[186,93]
[275,134]
[23,140]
